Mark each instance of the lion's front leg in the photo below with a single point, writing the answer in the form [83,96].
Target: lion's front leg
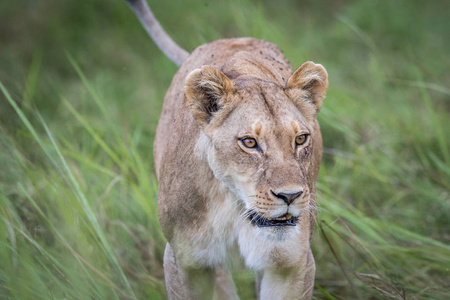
[186,283]
[289,283]
[224,288]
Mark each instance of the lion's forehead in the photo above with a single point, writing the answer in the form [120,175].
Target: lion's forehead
[263,113]
[268,101]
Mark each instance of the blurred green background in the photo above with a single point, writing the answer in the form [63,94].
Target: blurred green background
[82,88]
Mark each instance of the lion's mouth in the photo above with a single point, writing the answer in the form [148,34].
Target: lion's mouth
[284,220]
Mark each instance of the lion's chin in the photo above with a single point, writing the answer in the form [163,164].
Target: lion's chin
[285,220]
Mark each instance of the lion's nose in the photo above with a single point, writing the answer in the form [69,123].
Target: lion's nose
[288,198]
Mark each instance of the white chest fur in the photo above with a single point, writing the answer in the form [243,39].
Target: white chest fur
[226,235]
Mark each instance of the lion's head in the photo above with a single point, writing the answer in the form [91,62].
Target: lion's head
[260,136]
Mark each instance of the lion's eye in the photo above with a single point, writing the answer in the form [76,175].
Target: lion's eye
[301,139]
[249,142]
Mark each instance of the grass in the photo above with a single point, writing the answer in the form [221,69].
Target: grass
[81,91]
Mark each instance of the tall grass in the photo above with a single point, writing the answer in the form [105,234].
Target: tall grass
[81,91]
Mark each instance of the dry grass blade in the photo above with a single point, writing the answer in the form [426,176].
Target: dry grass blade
[383,286]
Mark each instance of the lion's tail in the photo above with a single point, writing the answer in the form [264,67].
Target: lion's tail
[174,52]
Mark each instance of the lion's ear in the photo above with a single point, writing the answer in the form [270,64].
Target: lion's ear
[207,90]
[310,78]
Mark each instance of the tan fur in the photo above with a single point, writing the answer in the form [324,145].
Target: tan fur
[208,180]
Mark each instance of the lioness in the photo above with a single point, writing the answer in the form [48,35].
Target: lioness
[237,153]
